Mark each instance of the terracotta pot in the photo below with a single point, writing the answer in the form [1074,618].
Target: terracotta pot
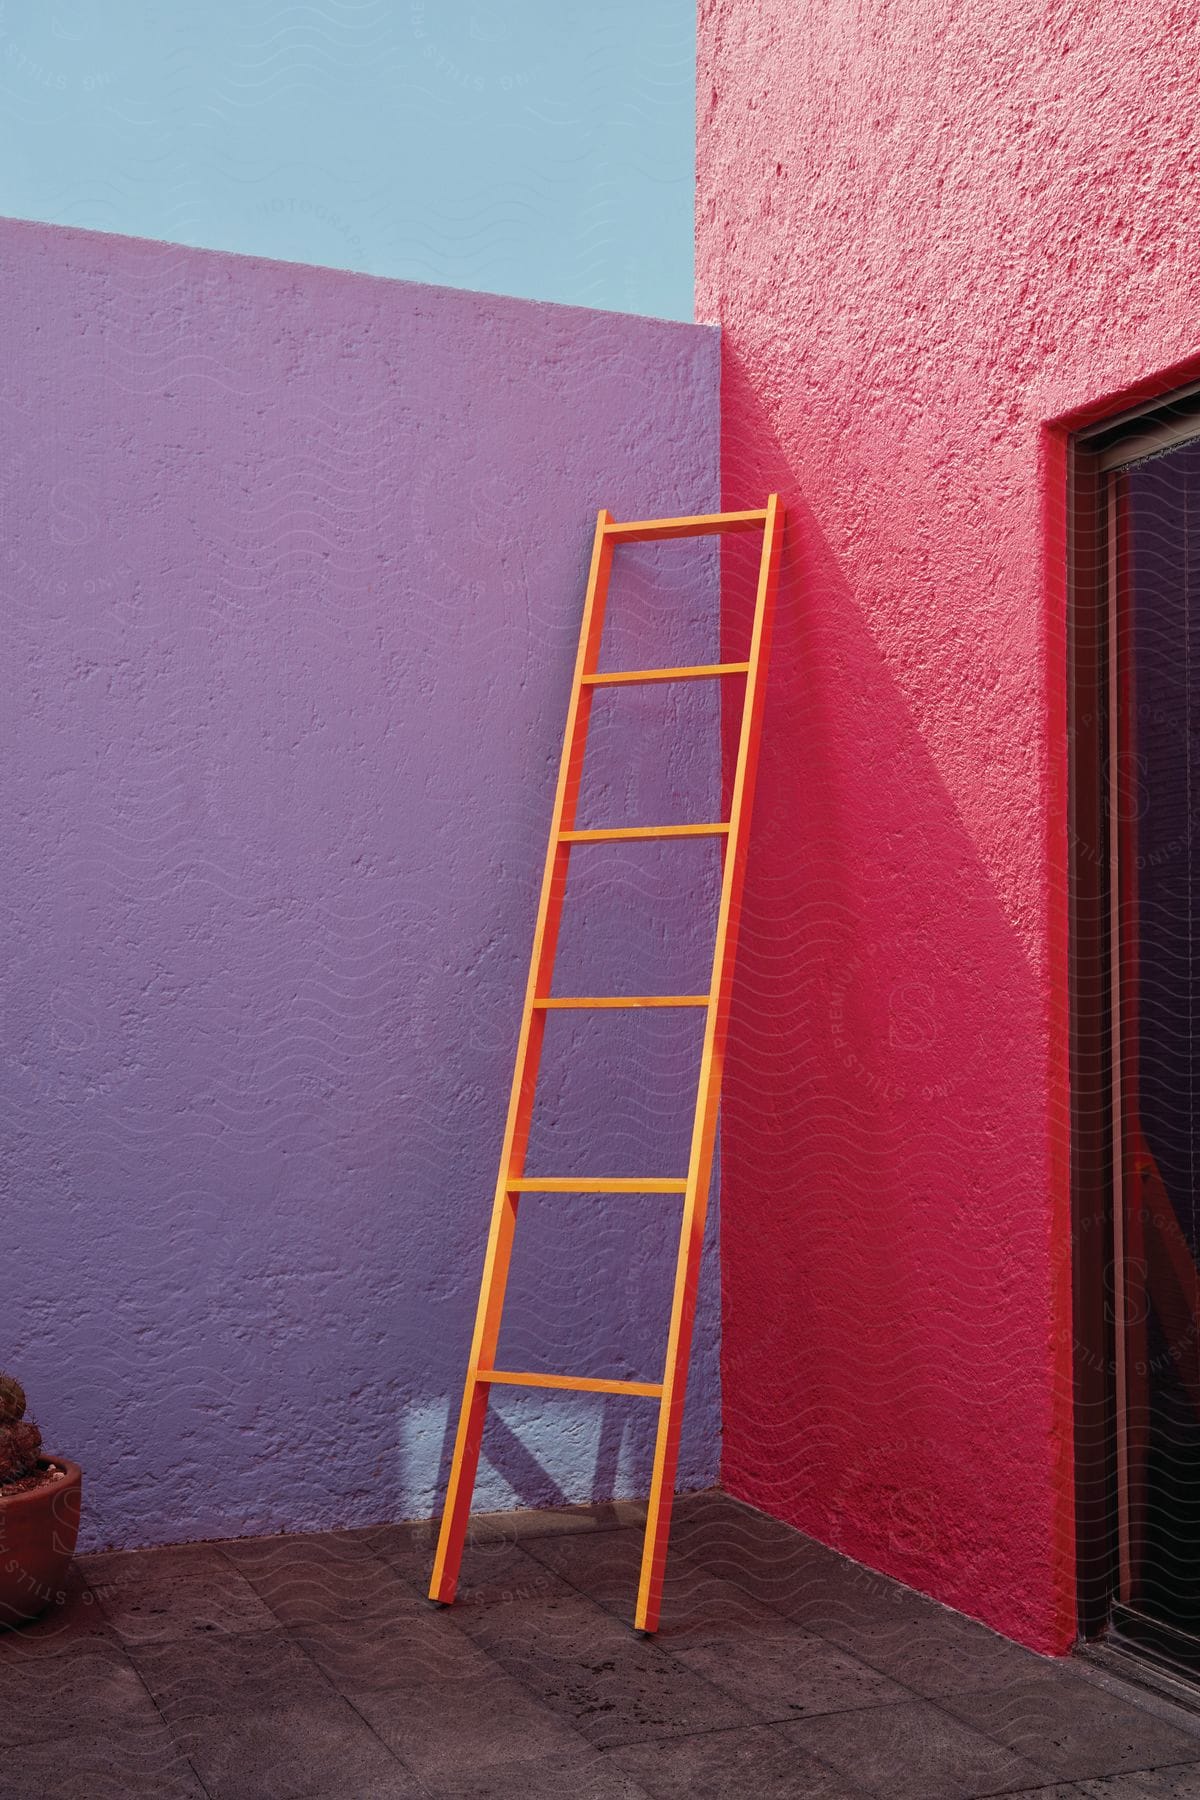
[37,1541]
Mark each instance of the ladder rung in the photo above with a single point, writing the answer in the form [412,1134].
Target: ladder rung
[580,1384]
[592,1000]
[591,1184]
[699,525]
[693,672]
[610,833]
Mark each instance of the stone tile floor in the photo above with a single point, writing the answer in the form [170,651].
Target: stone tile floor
[313,1668]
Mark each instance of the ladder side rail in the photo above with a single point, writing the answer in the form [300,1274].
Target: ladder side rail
[687,1268]
[465,1459]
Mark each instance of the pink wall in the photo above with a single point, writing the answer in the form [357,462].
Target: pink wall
[928,232]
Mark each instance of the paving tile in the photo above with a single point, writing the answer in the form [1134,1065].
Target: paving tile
[787,1673]
[727,1765]
[424,1644]
[174,1593]
[1178,1782]
[831,1595]
[498,1572]
[445,1728]
[290,1753]
[116,1763]
[697,1604]
[104,1569]
[595,1672]
[1181,1782]
[493,1570]
[733,1550]
[399,1786]
[602,1565]
[591,1777]
[713,1526]
[1074,1728]
[912,1751]
[944,1653]
[708,1502]
[73,1615]
[411,1539]
[1058,1791]
[564,1623]
[251,1671]
[320,1581]
[288,1551]
[83,1690]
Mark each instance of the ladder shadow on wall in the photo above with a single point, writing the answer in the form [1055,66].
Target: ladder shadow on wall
[533,1485]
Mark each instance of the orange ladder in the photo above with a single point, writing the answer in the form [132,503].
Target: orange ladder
[482,1374]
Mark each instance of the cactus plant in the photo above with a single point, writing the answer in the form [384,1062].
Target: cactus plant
[20,1439]
[39,1515]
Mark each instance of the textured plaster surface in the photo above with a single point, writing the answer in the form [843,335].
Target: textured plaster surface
[926,231]
[292,572]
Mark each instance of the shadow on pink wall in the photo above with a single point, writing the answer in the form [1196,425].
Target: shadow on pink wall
[896,1357]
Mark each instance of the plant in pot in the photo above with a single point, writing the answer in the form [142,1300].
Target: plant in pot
[39,1513]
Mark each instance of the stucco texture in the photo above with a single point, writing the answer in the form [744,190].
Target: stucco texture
[292,574]
[929,232]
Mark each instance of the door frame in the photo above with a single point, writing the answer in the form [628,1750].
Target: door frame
[1094,452]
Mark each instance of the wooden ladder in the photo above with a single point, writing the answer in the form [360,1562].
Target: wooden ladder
[482,1374]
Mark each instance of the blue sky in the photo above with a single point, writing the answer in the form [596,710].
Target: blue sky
[535,147]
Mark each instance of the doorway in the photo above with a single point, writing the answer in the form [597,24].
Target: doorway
[1135,833]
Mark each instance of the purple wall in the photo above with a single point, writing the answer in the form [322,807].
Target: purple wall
[292,572]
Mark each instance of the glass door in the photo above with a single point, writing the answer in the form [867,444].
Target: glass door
[1153,524]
